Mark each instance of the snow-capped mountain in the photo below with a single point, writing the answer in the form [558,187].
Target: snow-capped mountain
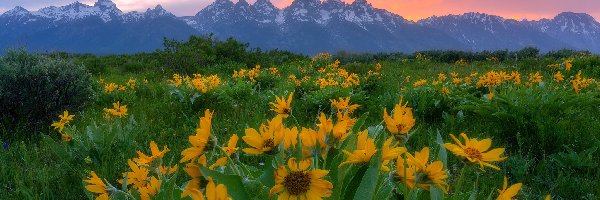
[312,26]
[577,29]
[481,32]
[306,26]
[101,28]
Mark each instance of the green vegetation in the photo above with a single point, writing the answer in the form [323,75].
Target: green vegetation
[549,130]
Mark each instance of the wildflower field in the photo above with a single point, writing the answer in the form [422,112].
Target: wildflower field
[319,128]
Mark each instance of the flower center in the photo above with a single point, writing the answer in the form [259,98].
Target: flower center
[269,143]
[286,111]
[297,183]
[400,127]
[473,153]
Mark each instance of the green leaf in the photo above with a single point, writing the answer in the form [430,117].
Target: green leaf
[350,188]
[267,178]
[368,184]
[360,122]
[436,193]
[473,195]
[234,184]
[385,191]
[442,154]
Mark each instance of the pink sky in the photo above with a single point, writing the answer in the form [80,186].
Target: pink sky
[410,9]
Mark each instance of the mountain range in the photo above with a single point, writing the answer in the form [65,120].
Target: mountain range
[306,26]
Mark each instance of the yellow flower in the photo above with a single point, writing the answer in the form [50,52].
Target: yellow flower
[66,137]
[344,104]
[122,88]
[150,189]
[442,77]
[510,192]
[213,192]
[282,106]
[476,151]
[64,119]
[490,96]
[109,88]
[340,130]
[312,142]
[535,78]
[193,170]
[138,176]
[421,173]
[389,152]
[445,91]
[365,148]
[325,125]
[402,120]
[167,170]
[419,83]
[558,77]
[231,147]
[157,154]
[568,64]
[117,111]
[96,185]
[290,137]
[176,81]
[268,140]
[200,139]
[297,181]
[222,161]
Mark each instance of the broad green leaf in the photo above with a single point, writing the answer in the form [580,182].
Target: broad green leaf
[351,187]
[234,184]
[267,178]
[442,154]
[360,122]
[436,193]
[386,189]
[368,184]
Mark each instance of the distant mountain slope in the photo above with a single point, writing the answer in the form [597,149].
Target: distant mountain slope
[306,26]
[101,29]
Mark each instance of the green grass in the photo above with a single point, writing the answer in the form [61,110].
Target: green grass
[552,140]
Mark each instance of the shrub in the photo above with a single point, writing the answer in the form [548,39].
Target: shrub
[34,89]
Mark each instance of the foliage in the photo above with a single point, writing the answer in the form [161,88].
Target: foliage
[35,88]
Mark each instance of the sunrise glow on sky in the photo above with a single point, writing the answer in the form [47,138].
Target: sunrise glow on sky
[410,9]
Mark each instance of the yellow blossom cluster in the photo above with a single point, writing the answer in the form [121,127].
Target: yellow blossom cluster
[197,82]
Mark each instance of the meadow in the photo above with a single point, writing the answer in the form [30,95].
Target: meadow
[275,125]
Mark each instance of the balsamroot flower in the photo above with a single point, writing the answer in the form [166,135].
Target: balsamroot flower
[402,119]
[231,147]
[199,140]
[118,110]
[297,181]
[268,140]
[390,151]
[365,148]
[96,185]
[282,106]
[213,192]
[507,193]
[476,151]
[157,154]
[290,137]
[344,105]
[64,119]
[420,173]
